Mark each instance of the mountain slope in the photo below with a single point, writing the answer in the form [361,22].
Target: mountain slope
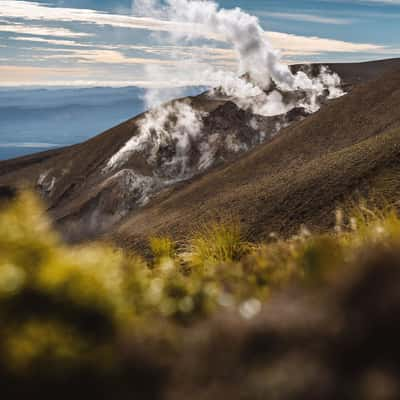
[87,199]
[350,146]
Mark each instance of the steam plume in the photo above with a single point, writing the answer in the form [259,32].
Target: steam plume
[257,58]
[258,85]
[256,55]
[165,137]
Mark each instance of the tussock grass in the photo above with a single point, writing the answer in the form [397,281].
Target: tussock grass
[216,243]
[162,247]
[71,306]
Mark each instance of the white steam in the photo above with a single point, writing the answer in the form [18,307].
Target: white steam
[256,55]
[243,31]
[262,84]
[165,136]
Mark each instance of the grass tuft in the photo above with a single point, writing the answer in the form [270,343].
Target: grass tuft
[64,307]
[162,248]
[213,244]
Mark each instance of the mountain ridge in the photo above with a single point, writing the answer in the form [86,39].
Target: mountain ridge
[281,200]
[86,203]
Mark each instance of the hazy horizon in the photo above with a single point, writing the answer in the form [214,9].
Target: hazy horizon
[34,120]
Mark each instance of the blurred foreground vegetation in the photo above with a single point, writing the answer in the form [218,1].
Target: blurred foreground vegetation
[92,320]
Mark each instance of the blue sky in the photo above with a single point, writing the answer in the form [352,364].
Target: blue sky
[101,42]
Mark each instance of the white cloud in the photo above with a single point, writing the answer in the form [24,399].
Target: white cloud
[288,43]
[182,52]
[99,56]
[25,29]
[303,45]
[57,42]
[80,83]
[85,58]
[18,73]
[306,18]
[33,11]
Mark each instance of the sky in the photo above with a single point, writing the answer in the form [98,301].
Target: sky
[107,43]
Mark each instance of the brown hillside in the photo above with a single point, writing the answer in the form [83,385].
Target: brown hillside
[275,187]
[351,146]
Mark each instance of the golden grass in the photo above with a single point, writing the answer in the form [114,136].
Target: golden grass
[162,247]
[50,291]
[215,244]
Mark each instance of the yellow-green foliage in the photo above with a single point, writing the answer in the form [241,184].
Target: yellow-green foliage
[55,299]
[372,224]
[71,306]
[215,244]
[162,247]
